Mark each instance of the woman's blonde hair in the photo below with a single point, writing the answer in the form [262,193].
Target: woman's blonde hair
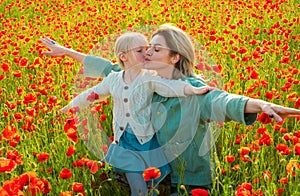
[179,43]
[126,42]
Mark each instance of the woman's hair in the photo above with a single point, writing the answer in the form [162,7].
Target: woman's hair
[126,42]
[179,43]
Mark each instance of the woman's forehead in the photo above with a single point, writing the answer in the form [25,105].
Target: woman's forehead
[158,40]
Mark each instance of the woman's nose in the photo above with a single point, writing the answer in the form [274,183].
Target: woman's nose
[149,52]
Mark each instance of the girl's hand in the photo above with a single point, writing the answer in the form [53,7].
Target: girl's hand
[203,90]
[56,49]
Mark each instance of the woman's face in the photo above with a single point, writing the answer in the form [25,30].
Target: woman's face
[157,55]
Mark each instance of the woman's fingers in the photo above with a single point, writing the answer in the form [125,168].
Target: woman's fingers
[278,112]
[56,49]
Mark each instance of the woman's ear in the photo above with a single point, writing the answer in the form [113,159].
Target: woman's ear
[175,59]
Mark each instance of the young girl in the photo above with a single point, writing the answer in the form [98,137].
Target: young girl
[135,145]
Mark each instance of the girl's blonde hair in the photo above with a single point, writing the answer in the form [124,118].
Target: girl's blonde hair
[126,42]
[179,43]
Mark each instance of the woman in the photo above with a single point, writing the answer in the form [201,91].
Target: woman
[183,122]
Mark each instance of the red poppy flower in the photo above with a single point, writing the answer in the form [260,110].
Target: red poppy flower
[266,139]
[245,186]
[199,192]
[297,103]
[18,116]
[72,135]
[244,150]
[9,132]
[66,193]
[254,74]
[23,62]
[17,73]
[29,98]
[151,173]
[93,166]
[70,123]
[7,165]
[264,118]
[103,117]
[77,187]
[43,157]
[269,95]
[30,111]
[10,105]
[297,149]
[14,155]
[71,150]
[242,50]
[280,191]
[65,173]
[3,192]
[5,67]
[229,159]
[78,163]
[283,180]
[26,177]
[92,97]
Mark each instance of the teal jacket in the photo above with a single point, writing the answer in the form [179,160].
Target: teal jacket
[185,125]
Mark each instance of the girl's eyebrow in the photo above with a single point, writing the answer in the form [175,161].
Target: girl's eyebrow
[155,44]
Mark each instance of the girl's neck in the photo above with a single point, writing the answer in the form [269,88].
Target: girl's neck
[130,74]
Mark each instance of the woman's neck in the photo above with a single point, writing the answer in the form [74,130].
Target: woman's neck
[166,72]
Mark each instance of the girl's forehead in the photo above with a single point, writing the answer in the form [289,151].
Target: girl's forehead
[140,42]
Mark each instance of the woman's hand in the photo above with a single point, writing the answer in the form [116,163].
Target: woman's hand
[278,112]
[56,49]
[59,50]
[273,110]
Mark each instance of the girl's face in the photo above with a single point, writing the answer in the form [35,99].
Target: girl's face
[157,55]
[136,54]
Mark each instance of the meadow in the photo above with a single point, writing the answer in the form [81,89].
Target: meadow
[254,44]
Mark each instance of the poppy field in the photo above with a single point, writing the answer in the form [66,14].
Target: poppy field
[255,45]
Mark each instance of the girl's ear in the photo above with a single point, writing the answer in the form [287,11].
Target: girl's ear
[175,59]
[123,57]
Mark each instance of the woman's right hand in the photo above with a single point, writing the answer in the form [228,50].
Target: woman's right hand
[59,50]
[56,49]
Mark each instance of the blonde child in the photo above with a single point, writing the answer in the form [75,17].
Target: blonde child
[135,145]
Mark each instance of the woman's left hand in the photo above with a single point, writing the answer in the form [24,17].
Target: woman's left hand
[278,112]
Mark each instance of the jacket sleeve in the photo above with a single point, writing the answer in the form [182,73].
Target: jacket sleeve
[167,87]
[96,67]
[95,93]
[221,106]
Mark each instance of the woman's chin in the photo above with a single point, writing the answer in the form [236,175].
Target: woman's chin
[155,65]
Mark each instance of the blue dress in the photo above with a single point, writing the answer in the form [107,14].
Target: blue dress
[131,156]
